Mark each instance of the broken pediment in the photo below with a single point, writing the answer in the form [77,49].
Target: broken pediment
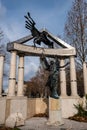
[21,47]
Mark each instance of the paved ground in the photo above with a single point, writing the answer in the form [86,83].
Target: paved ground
[37,123]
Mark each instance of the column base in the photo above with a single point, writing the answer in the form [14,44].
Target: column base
[71,96]
[75,96]
[10,95]
[20,95]
[16,97]
[63,96]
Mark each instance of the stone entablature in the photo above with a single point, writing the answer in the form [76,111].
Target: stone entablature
[37,51]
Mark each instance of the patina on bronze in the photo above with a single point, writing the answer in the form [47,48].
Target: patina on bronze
[53,67]
[37,35]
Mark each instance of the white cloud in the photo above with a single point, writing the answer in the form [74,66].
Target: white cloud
[13,30]
[31,67]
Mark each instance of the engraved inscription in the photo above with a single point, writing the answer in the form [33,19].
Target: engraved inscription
[54,104]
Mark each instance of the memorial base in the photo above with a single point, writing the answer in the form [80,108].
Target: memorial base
[55,114]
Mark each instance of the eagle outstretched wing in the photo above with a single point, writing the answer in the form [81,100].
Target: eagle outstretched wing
[30,24]
[38,36]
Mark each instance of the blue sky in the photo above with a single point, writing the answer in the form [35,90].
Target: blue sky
[50,14]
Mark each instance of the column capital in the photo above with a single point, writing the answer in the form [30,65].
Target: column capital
[2,55]
[21,55]
[13,51]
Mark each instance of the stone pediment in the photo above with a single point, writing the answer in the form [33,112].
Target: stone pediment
[20,47]
[57,40]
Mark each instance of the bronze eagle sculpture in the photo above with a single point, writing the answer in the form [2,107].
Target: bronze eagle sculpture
[37,35]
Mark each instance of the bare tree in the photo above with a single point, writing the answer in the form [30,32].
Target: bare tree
[76,29]
[36,86]
[76,35]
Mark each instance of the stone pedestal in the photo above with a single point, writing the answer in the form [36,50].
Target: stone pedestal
[55,116]
[2,110]
[18,105]
[67,105]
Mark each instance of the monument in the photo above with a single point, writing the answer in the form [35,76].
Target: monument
[52,67]
[21,49]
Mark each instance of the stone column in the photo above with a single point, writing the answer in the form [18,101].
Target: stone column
[73,77]
[12,76]
[85,77]
[20,76]
[1,72]
[62,78]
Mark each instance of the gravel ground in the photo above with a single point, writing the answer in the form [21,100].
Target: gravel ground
[37,123]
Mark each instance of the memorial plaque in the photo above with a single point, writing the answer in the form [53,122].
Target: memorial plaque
[54,104]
